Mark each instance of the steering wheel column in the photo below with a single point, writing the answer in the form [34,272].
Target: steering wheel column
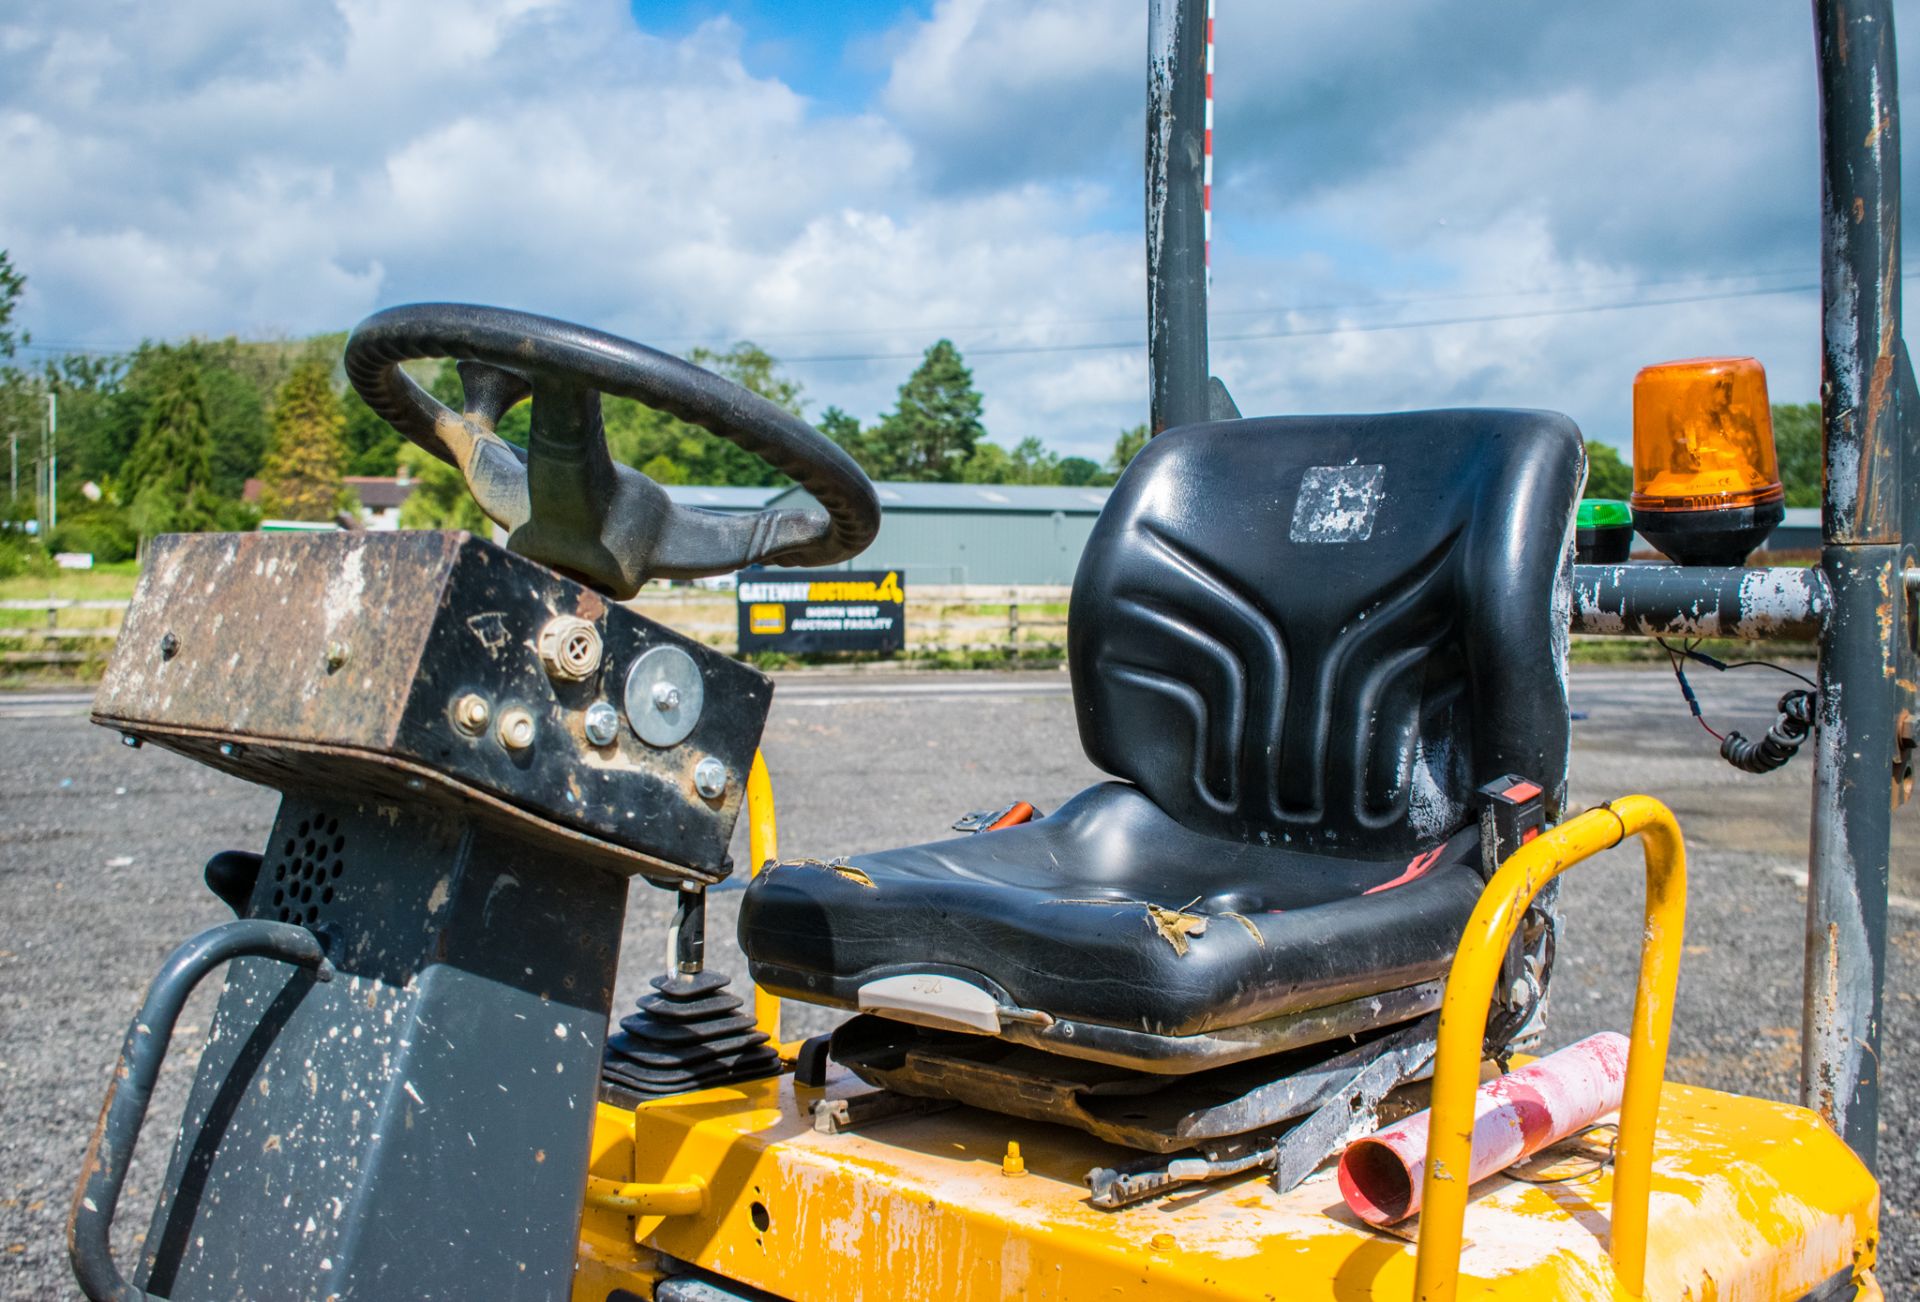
[565,502]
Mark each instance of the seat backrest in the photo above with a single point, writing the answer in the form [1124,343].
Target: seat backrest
[1329,630]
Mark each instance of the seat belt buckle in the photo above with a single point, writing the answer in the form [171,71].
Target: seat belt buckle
[992,820]
[1513,810]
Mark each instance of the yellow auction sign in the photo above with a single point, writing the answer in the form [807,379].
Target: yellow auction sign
[854,610]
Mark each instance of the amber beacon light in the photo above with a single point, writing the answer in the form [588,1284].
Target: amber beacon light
[1706,482]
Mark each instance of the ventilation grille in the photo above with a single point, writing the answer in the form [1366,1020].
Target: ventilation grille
[307,870]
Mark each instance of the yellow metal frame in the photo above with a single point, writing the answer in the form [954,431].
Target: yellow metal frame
[736,1180]
[763,847]
[1463,1019]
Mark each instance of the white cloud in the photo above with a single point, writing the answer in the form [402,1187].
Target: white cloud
[288,165]
[292,167]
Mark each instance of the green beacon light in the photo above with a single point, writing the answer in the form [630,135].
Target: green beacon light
[1603,533]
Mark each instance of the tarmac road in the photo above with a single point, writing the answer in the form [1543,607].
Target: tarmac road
[100,848]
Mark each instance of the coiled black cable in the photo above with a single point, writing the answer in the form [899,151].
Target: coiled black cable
[1782,740]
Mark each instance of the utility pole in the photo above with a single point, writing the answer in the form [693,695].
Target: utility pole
[53,461]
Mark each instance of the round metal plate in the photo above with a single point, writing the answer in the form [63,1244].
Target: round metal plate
[665,694]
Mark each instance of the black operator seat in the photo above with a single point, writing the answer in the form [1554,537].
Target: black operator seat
[1299,645]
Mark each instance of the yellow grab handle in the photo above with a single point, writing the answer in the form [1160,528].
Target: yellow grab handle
[1463,1020]
[763,847]
[684,1198]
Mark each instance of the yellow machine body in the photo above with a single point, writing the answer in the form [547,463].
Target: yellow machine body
[1750,1200]
[1710,1197]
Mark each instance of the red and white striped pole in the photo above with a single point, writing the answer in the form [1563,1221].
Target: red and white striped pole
[1206,164]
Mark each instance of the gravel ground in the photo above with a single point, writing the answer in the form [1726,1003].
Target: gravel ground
[100,850]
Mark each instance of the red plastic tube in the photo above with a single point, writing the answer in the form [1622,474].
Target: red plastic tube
[1514,1117]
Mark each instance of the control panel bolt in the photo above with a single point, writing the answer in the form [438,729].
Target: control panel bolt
[602,723]
[169,646]
[666,697]
[710,778]
[516,729]
[470,714]
[569,648]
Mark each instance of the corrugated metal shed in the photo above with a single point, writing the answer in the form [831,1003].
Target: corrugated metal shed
[977,533]
[718,498]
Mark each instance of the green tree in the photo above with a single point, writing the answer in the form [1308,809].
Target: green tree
[935,425]
[1125,449]
[683,453]
[1796,439]
[372,446]
[860,444]
[1075,472]
[302,474]
[1607,475]
[1030,462]
[229,378]
[169,473]
[12,282]
[440,499]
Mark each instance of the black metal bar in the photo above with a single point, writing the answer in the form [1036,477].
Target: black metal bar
[1699,601]
[1176,215]
[90,1226]
[1863,642]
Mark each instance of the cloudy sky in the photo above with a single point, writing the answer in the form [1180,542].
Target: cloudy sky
[844,183]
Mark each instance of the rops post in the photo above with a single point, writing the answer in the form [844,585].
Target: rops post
[855,610]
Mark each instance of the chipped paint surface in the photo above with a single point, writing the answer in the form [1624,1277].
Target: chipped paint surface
[1757,1198]
[1438,771]
[1337,504]
[1670,601]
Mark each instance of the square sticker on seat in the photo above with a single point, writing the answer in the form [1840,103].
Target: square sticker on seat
[1337,503]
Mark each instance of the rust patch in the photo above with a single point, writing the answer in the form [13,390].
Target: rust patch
[1827,1106]
[1176,925]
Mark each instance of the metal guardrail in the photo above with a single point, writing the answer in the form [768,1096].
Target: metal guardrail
[971,619]
[45,642]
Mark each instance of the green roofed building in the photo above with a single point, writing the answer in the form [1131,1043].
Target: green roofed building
[976,533]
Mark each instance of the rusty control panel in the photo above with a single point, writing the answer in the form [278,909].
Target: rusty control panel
[437,669]
[477,755]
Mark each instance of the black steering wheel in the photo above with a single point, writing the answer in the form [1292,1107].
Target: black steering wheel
[564,501]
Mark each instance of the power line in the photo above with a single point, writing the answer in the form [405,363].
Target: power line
[1022,350]
[1313,331]
[58,347]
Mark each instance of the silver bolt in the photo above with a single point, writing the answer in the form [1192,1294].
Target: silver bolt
[710,778]
[470,714]
[666,697]
[130,741]
[229,750]
[337,655]
[602,723]
[516,729]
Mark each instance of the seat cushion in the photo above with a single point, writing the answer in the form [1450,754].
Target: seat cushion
[1110,912]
